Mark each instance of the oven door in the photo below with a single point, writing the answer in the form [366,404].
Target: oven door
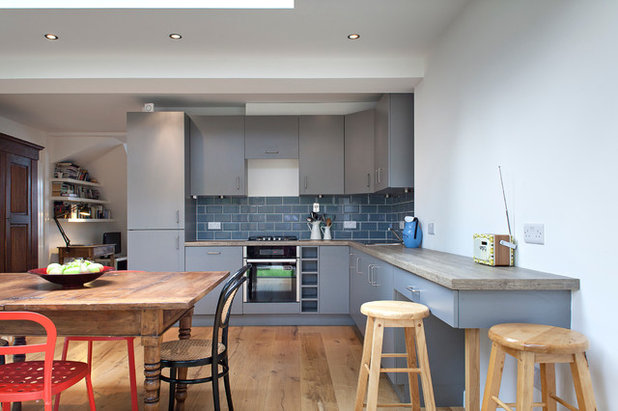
[272,281]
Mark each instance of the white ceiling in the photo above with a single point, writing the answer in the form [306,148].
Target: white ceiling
[108,62]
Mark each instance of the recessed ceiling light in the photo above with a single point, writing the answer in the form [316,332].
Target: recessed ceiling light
[175,36]
[353,36]
[50,36]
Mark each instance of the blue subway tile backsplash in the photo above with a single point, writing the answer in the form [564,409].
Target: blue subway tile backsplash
[252,216]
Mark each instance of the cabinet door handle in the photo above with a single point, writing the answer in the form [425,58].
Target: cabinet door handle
[374,277]
[213,252]
[177,242]
[177,216]
[237,183]
[271,152]
[370,274]
[357,265]
[415,294]
[368,180]
[305,182]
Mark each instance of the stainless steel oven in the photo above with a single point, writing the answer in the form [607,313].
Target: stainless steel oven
[273,277]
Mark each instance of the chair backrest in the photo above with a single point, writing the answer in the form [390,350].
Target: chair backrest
[224,305]
[47,347]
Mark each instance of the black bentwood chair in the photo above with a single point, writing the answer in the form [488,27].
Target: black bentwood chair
[190,353]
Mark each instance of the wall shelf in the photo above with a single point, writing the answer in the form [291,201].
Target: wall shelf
[86,220]
[73,181]
[79,200]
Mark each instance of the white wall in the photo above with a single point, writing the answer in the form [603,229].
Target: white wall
[533,86]
[105,159]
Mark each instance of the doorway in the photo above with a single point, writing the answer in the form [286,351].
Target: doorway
[18,204]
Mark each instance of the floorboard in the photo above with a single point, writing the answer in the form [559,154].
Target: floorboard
[272,369]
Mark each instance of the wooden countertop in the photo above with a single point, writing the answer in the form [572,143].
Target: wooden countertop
[449,270]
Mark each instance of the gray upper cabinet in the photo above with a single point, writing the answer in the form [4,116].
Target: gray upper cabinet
[156,170]
[218,155]
[271,137]
[394,142]
[321,150]
[359,169]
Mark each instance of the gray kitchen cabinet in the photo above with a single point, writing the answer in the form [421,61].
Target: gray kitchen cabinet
[218,156]
[442,337]
[156,170]
[271,137]
[359,136]
[334,280]
[214,259]
[321,154]
[155,250]
[394,142]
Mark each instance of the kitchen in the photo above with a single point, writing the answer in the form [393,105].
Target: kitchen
[491,94]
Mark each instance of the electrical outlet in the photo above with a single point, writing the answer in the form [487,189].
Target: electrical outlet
[431,229]
[350,225]
[214,226]
[316,207]
[534,233]
[402,225]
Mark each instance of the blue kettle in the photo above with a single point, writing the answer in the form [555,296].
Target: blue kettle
[412,234]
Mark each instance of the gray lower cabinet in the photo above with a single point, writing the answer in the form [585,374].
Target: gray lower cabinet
[359,135]
[218,155]
[321,152]
[271,137]
[444,342]
[334,280]
[394,142]
[214,259]
[155,250]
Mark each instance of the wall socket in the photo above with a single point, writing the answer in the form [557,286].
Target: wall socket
[316,207]
[534,233]
[431,229]
[349,224]
[214,226]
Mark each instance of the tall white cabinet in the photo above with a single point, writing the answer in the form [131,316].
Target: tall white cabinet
[156,190]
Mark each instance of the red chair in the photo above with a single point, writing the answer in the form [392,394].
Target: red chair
[131,355]
[33,380]
[131,352]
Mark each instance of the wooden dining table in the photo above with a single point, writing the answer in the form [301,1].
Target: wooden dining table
[119,303]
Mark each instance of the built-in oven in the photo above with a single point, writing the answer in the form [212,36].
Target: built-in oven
[273,277]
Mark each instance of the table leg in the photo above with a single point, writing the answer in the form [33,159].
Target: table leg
[473,365]
[152,371]
[184,333]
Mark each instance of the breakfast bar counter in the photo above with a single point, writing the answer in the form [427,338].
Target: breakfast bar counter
[461,293]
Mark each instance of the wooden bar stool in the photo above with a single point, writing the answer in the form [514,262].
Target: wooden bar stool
[410,316]
[546,345]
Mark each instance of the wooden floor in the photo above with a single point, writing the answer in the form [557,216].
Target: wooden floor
[272,368]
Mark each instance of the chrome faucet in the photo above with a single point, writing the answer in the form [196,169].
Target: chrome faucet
[396,234]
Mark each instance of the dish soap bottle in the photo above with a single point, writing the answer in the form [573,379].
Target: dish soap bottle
[412,234]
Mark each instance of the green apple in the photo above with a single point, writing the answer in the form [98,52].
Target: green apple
[72,270]
[54,267]
[95,267]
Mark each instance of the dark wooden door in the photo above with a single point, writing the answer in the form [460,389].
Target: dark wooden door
[18,205]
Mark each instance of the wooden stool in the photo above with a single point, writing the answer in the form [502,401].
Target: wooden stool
[543,344]
[410,316]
